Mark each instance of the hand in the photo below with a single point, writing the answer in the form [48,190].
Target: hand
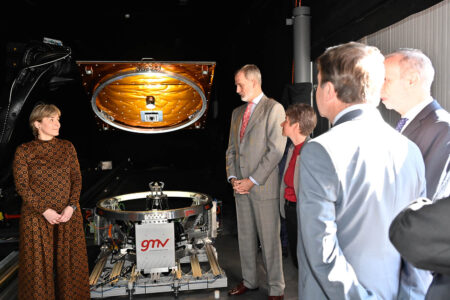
[66,214]
[233,182]
[51,216]
[243,186]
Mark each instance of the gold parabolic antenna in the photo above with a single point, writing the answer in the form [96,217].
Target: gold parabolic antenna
[162,97]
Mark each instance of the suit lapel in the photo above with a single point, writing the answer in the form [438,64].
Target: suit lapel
[417,121]
[288,158]
[256,115]
[297,167]
[240,117]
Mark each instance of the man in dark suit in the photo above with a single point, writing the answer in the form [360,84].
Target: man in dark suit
[254,150]
[354,179]
[421,235]
[409,75]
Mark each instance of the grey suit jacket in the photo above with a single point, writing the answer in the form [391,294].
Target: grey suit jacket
[286,165]
[260,150]
[354,180]
[430,130]
[420,233]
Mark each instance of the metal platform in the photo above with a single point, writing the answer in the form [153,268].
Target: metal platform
[121,278]
[154,242]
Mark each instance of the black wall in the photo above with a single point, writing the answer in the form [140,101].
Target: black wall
[232,33]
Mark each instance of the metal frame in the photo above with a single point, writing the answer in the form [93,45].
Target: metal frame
[198,114]
[119,282]
[104,208]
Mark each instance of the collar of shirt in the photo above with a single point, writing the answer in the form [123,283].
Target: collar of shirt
[256,101]
[413,112]
[349,109]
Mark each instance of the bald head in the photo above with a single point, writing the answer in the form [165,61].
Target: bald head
[413,60]
[409,75]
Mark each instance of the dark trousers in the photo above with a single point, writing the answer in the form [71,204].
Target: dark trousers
[283,233]
[290,211]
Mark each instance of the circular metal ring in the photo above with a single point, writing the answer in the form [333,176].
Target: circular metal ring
[109,207]
[187,123]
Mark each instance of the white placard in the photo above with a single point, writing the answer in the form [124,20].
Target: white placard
[155,247]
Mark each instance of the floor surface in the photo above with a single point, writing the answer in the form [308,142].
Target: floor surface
[228,254]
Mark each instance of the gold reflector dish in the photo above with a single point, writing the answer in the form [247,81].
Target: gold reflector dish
[149,97]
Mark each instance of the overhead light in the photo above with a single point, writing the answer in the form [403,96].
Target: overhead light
[150,102]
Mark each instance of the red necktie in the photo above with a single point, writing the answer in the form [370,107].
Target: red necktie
[247,114]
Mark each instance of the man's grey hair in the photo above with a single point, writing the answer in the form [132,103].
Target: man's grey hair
[414,59]
[251,72]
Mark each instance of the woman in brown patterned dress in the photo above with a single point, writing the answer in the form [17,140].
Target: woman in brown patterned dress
[52,250]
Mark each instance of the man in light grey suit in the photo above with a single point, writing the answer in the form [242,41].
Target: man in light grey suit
[354,179]
[409,75]
[254,150]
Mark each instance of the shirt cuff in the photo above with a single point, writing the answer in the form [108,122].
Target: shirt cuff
[231,177]
[253,180]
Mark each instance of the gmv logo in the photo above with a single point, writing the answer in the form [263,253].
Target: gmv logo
[146,244]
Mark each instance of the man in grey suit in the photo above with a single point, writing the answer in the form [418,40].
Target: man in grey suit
[409,75]
[254,149]
[354,179]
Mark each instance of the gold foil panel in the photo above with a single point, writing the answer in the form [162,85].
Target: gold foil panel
[126,98]
[181,91]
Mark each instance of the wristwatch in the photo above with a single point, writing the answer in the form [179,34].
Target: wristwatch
[74,207]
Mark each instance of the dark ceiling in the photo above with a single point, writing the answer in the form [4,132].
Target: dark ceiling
[196,24]
[231,33]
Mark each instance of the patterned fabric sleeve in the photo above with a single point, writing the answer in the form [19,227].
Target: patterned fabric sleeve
[21,179]
[75,176]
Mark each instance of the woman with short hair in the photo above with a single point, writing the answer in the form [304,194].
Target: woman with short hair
[299,124]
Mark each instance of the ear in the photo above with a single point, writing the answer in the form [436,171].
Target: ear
[36,124]
[330,92]
[413,78]
[297,127]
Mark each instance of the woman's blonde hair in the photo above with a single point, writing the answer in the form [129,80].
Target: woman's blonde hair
[41,111]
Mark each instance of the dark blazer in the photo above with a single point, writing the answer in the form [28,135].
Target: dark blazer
[420,233]
[430,130]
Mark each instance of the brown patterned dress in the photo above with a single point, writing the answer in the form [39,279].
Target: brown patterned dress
[52,258]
